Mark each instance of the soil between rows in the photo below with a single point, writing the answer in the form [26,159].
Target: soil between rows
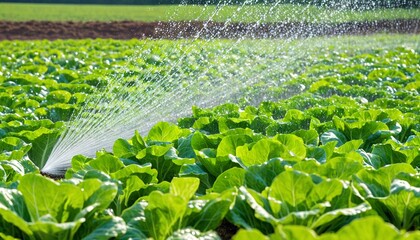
[30,30]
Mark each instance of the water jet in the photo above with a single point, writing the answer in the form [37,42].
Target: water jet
[118,110]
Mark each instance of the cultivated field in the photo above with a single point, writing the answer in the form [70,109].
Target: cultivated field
[253,13]
[311,136]
[339,154]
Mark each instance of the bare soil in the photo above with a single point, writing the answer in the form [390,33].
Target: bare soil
[10,30]
[226,230]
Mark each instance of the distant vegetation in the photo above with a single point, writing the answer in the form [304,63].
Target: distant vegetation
[283,12]
[365,4]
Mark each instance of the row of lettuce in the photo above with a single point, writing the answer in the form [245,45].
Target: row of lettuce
[339,159]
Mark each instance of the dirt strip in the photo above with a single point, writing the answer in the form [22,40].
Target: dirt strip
[172,30]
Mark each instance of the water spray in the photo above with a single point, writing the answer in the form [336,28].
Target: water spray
[115,112]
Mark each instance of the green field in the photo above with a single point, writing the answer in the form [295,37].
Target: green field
[51,12]
[331,152]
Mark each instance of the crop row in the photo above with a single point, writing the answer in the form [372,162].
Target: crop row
[337,159]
